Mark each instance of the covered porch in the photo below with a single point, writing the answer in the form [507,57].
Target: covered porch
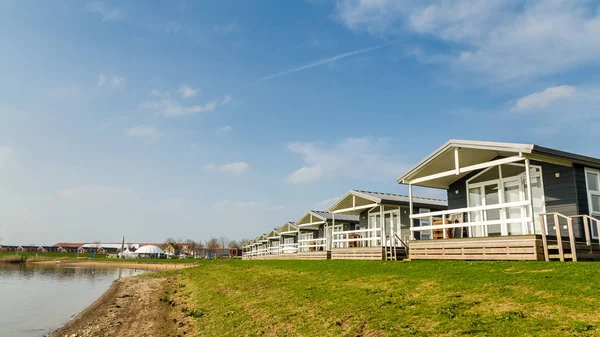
[312,243]
[288,243]
[382,229]
[496,198]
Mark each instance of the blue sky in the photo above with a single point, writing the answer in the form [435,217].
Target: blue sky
[195,119]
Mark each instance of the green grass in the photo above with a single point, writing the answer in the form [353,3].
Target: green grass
[379,298]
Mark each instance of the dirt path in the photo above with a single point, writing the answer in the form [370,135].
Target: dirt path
[133,306]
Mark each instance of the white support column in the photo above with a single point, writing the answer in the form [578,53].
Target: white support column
[456,161]
[382,226]
[332,229]
[529,195]
[410,211]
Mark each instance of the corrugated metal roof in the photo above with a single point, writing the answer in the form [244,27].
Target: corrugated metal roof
[390,198]
[338,217]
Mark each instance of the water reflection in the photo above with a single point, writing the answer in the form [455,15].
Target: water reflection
[36,299]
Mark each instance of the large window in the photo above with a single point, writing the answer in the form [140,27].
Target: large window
[592,178]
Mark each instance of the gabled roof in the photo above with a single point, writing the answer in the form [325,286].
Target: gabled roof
[364,199]
[289,227]
[261,238]
[320,217]
[69,244]
[476,152]
[273,234]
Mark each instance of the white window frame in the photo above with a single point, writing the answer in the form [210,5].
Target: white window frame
[590,193]
[500,182]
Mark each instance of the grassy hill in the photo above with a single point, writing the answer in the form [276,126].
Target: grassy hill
[379,298]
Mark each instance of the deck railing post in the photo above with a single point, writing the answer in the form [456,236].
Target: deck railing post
[561,252]
[444,234]
[410,212]
[544,239]
[586,230]
[572,239]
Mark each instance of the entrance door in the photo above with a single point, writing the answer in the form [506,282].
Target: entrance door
[513,192]
[492,197]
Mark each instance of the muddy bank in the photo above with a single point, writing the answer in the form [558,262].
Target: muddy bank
[133,306]
[119,264]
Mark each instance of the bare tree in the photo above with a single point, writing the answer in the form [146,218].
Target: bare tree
[234,244]
[212,245]
[223,241]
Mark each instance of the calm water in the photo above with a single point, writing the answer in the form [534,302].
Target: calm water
[36,299]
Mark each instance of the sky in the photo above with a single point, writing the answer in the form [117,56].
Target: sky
[193,119]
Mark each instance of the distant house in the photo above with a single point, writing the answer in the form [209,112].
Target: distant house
[382,226]
[507,201]
[315,233]
[67,247]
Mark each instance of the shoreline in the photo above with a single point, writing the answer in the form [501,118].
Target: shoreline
[132,306]
[117,264]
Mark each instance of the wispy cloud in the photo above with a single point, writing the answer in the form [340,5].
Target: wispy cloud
[105,11]
[325,204]
[502,41]
[226,128]
[350,158]
[235,168]
[170,108]
[322,62]
[143,131]
[544,98]
[227,99]
[185,91]
[114,81]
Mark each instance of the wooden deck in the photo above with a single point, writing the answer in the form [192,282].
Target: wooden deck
[273,257]
[517,248]
[508,248]
[321,255]
[364,253]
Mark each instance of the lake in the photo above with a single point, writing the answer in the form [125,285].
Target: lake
[37,299]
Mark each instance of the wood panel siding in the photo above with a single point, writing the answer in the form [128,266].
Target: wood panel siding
[517,248]
[320,255]
[364,253]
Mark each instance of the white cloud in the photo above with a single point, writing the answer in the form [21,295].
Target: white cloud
[502,40]
[115,81]
[170,108]
[143,131]
[350,158]
[6,155]
[321,62]
[544,98]
[227,99]
[105,12]
[186,91]
[226,128]
[235,168]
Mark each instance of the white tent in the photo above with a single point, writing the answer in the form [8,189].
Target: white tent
[127,254]
[149,250]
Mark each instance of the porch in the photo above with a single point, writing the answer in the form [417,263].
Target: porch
[382,229]
[498,205]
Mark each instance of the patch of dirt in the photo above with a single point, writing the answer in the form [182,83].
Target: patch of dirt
[131,307]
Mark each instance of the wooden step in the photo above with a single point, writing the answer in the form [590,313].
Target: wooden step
[557,256]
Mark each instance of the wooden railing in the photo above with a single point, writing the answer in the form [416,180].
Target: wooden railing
[305,245]
[587,229]
[288,248]
[371,238]
[444,216]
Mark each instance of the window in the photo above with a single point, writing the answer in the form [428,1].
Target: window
[592,178]
[425,235]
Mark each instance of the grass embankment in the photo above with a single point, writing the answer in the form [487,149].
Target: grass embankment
[378,298]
